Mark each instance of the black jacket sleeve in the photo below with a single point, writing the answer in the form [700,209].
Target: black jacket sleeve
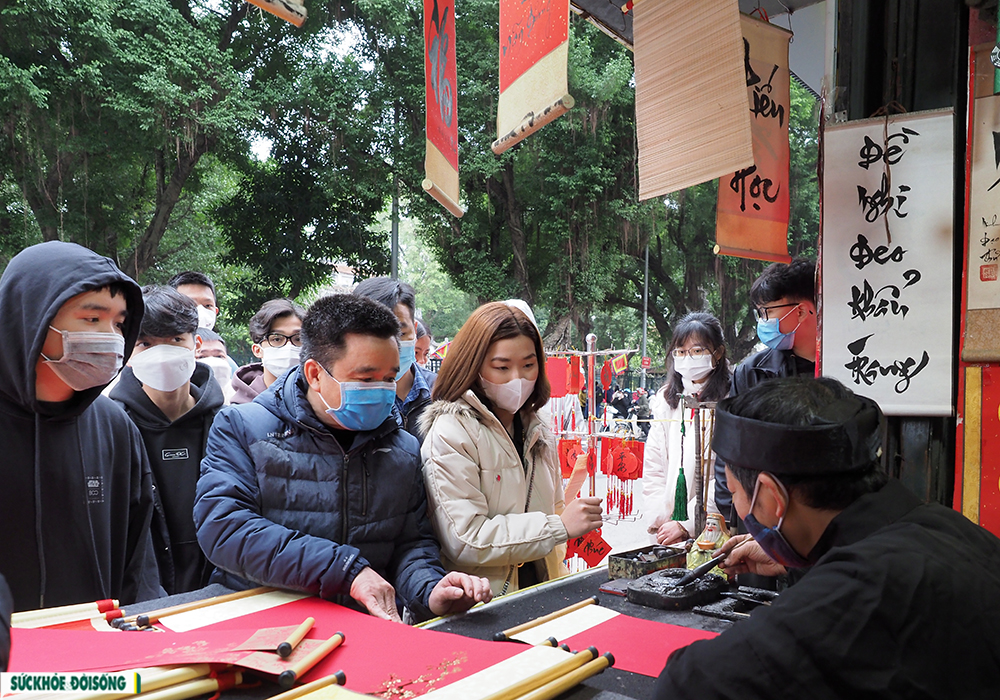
[416,566]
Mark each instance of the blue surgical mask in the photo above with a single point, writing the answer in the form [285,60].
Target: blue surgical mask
[407,356]
[363,405]
[771,540]
[773,338]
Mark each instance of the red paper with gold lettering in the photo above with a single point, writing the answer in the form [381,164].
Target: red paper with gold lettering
[529,29]
[418,656]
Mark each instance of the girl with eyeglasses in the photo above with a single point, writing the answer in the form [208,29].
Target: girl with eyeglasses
[699,368]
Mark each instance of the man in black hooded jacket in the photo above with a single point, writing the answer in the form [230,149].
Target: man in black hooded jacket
[76,495]
[172,400]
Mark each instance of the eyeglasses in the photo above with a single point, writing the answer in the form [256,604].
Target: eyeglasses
[696,351]
[762,311]
[278,340]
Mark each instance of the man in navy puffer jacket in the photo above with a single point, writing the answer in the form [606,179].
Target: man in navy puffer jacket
[298,494]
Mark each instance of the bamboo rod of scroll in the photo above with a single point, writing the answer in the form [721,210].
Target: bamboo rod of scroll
[44,617]
[509,633]
[552,681]
[147,619]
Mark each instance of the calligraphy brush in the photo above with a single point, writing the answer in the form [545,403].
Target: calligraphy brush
[699,571]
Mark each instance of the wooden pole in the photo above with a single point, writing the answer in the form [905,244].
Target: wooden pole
[287,678]
[700,514]
[146,619]
[559,686]
[516,690]
[507,634]
[286,647]
[337,678]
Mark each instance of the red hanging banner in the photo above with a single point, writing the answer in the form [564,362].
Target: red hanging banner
[557,369]
[752,212]
[534,54]
[441,87]
[569,451]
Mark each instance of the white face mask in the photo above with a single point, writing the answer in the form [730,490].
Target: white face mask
[221,370]
[509,396]
[163,367]
[694,369]
[206,317]
[277,361]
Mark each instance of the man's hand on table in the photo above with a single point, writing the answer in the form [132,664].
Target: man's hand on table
[457,592]
[376,594]
[746,556]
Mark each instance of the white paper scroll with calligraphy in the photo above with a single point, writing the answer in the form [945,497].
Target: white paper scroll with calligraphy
[888,262]
[534,54]
[982,338]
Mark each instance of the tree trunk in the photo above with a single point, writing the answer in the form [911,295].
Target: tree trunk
[515,223]
[168,193]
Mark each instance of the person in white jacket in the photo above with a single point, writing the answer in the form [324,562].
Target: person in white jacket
[491,469]
[700,369]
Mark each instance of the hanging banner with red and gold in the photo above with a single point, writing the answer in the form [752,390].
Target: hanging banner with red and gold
[752,213]
[289,10]
[534,51]
[440,85]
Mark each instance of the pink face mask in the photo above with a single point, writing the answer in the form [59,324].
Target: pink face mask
[509,396]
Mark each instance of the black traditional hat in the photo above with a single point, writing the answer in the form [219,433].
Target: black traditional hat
[844,435]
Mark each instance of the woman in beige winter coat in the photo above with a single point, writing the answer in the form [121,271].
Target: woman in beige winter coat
[494,489]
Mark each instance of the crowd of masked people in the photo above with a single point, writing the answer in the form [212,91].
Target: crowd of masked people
[337,465]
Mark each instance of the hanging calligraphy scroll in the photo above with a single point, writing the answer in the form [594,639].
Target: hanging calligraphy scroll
[288,10]
[690,94]
[887,260]
[752,213]
[534,53]
[982,341]
[440,83]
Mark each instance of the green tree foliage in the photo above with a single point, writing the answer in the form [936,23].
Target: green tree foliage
[107,108]
[314,201]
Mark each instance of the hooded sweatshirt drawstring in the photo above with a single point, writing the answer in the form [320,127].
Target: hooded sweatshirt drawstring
[39,542]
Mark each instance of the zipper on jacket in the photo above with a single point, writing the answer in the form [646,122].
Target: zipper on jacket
[364,483]
[343,488]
